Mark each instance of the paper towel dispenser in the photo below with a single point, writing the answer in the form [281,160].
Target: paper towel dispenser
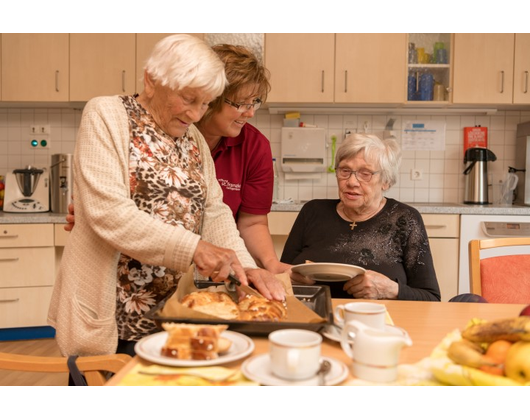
[303,150]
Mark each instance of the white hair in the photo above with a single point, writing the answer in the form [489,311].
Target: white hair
[385,153]
[185,61]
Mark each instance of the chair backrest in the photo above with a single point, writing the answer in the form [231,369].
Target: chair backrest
[502,279]
[93,367]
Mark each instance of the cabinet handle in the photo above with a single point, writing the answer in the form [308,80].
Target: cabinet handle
[502,81]
[435,226]
[57,80]
[322,81]
[9,300]
[123,80]
[417,81]
[9,236]
[9,259]
[345,81]
[525,82]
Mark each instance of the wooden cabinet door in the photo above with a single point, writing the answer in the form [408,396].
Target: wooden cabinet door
[35,67]
[301,66]
[371,68]
[521,76]
[483,68]
[144,46]
[102,64]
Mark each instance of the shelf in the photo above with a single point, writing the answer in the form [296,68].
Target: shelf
[428,66]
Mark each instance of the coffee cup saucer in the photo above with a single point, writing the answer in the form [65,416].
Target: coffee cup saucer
[258,369]
[334,332]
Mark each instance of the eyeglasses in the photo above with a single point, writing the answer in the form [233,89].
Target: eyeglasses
[363,175]
[244,107]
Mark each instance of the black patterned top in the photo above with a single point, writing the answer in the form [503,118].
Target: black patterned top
[393,242]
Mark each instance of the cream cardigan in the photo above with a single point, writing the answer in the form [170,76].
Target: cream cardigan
[108,223]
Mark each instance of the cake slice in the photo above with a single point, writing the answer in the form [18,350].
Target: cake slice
[193,341]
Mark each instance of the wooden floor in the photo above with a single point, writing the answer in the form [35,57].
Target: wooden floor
[41,347]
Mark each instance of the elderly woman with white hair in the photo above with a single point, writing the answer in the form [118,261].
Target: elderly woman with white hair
[366,229]
[148,205]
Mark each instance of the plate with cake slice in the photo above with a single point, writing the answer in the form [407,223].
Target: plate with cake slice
[193,345]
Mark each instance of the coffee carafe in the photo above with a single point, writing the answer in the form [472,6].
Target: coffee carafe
[476,182]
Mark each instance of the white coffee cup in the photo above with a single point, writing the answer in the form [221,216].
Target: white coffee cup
[371,314]
[294,353]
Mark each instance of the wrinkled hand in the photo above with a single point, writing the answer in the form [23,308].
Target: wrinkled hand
[372,285]
[300,279]
[265,282]
[217,263]
[70,218]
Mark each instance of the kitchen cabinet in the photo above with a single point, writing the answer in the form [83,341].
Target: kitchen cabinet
[102,64]
[35,67]
[521,94]
[280,224]
[340,68]
[483,68]
[302,67]
[443,231]
[370,68]
[429,67]
[144,46]
[28,274]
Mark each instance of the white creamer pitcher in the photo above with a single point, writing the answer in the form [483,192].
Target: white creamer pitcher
[375,353]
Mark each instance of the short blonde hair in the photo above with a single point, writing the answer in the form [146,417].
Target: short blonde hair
[183,61]
[242,69]
[385,153]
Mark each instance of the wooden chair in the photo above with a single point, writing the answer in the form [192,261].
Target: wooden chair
[93,367]
[502,279]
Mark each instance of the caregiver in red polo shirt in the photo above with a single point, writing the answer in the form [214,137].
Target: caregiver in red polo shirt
[242,155]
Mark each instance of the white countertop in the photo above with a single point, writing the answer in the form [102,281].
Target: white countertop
[440,208]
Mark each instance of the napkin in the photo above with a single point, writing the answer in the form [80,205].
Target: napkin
[158,375]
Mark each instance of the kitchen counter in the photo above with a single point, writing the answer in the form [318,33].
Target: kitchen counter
[440,208]
[27,218]
[433,208]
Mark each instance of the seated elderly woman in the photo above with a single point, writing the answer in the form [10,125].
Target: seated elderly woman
[366,229]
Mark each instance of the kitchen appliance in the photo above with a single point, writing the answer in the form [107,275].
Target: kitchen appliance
[476,183]
[522,163]
[303,152]
[483,226]
[27,191]
[62,182]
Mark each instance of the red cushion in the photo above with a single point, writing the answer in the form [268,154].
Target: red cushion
[506,279]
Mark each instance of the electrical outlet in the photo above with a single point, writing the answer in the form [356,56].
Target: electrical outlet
[39,137]
[416,174]
[348,131]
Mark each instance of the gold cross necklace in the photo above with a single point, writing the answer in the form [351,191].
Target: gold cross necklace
[353,223]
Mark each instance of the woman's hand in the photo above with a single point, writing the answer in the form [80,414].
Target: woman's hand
[372,285]
[70,218]
[265,282]
[217,263]
[297,278]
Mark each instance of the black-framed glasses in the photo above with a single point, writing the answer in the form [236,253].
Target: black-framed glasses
[244,107]
[363,175]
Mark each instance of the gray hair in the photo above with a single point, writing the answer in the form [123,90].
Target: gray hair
[385,153]
[185,61]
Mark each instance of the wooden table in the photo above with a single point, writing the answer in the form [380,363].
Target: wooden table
[426,322]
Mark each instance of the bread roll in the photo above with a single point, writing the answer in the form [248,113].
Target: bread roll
[218,304]
[255,308]
[193,341]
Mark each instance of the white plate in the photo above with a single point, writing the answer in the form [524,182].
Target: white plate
[328,271]
[258,369]
[334,333]
[149,348]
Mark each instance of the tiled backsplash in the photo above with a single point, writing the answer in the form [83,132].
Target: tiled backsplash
[442,180]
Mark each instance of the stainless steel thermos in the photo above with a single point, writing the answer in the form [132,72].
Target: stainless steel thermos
[62,182]
[476,183]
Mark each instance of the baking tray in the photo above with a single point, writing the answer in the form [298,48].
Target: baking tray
[317,298]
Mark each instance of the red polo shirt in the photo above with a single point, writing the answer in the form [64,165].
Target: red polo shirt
[244,170]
